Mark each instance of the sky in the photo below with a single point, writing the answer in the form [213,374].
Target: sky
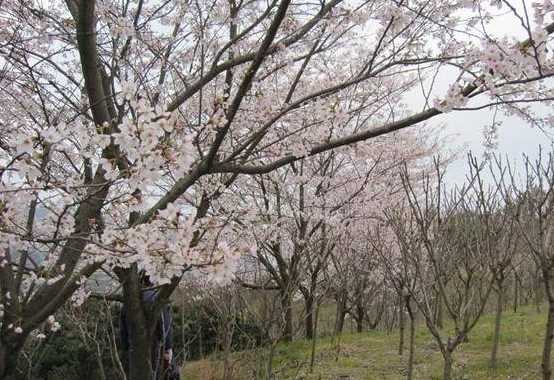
[465,134]
[462,131]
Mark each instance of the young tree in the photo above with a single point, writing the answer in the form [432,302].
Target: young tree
[496,229]
[450,246]
[533,207]
[399,246]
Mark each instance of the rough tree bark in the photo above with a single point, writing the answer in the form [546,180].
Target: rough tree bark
[140,338]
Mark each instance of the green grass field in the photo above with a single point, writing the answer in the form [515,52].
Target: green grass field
[374,355]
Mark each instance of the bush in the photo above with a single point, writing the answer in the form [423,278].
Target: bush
[72,354]
[200,334]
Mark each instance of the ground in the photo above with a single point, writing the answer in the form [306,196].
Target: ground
[374,355]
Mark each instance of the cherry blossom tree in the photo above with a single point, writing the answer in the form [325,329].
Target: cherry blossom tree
[298,219]
[124,121]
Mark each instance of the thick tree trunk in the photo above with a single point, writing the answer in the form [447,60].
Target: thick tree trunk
[140,362]
[140,340]
[497,320]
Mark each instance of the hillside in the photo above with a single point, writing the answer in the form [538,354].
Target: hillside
[374,355]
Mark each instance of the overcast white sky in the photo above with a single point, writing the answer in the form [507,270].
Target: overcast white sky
[515,138]
[465,129]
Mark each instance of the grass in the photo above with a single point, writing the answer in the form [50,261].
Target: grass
[374,355]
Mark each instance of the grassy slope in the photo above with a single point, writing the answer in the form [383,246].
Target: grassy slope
[373,355]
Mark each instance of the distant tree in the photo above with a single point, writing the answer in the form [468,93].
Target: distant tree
[451,247]
[532,206]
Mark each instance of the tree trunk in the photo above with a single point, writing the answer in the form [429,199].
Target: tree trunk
[538,292]
[412,340]
[140,362]
[140,338]
[497,320]
[372,324]
[270,361]
[360,314]
[439,311]
[516,293]
[359,324]
[8,360]
[447,372]
[312,357]
[340,315]
[546,364]
[309,321]
[402,324]
[286,304]
[228,336]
